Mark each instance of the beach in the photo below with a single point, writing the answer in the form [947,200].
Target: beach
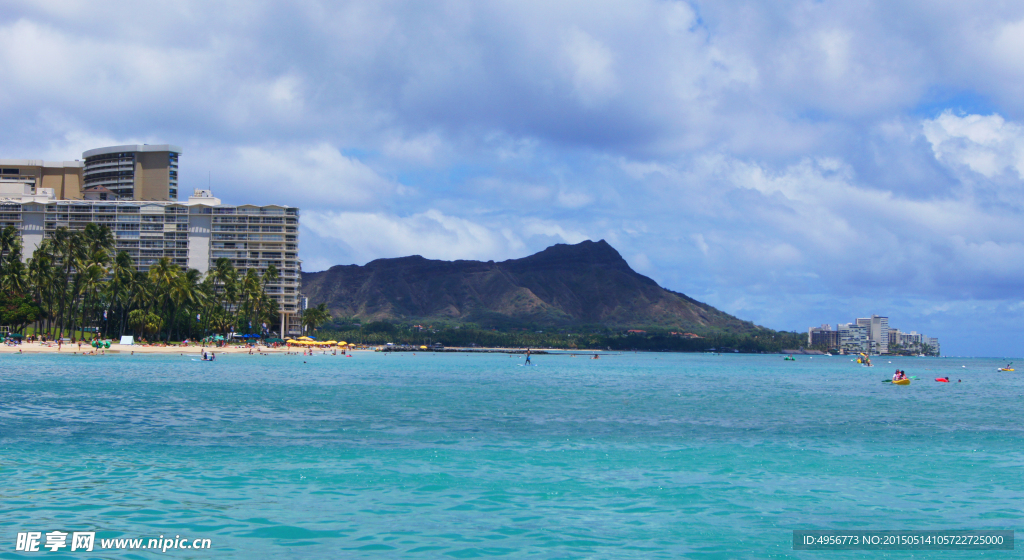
[49,348]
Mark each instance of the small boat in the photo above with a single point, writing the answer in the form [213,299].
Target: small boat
[942,379]
[789,359]
[1007,368]
[901,382]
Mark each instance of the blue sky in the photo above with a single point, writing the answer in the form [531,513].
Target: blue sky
[793,163]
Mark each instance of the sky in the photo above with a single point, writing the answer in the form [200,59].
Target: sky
[793,163]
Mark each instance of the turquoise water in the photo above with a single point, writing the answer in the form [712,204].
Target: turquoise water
[455,455]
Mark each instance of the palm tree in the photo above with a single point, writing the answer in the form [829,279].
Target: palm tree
[316,316]
[252,291]
[12,271]
[10,253]
[145,321]
[41,277]
[98,238]
[92,279]
[63,251]
[184,295]
[163,275]
[119,290]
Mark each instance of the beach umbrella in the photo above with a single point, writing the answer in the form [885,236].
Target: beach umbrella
[423,347]
[342,343]
[305,338]
[331,342]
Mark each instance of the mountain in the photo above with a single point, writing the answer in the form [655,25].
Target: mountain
[564,285]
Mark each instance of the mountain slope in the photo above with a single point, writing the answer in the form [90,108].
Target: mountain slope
[584,284]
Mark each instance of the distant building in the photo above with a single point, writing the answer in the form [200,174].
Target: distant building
[854,338]
[823,335]
[64,178]
[130,172]
[134,172]
[878,333]
[912,339]
[873,335]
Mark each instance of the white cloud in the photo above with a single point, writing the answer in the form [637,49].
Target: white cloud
[573,199]
[534,227]
[641,263]
[312,176]
[698,240]
[422,149]
[1007,46]
[590,67]
[430,234]
[988,145]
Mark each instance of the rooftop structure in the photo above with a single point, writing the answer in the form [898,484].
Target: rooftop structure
[134,172]
[64,178]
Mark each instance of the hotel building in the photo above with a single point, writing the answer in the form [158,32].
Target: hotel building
[823,336]
[192,234]
[854,338]
[878,333]
[133,172]
[63,178]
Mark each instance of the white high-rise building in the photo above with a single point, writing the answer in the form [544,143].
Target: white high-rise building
[878,333]
[854,338]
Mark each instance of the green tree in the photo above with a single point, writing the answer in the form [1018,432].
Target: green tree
[316,316]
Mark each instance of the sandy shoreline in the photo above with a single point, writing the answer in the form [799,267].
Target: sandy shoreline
[37,348]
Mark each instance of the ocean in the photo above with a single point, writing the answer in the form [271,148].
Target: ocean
[425,455]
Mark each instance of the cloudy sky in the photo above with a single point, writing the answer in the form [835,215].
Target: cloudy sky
[791,162]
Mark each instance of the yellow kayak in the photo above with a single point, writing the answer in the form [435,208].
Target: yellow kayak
[901,382]
[1006,369]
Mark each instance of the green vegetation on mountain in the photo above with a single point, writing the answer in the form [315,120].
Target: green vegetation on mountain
[567,296]
[565,286]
